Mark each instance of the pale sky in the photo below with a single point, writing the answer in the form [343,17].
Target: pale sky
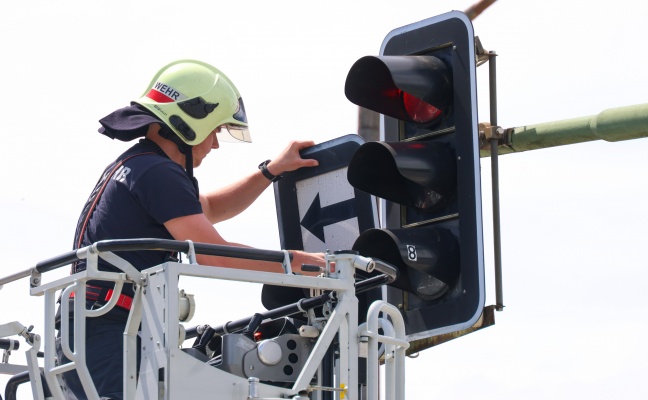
[573,218]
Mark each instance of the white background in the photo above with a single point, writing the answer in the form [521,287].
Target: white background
[573,218]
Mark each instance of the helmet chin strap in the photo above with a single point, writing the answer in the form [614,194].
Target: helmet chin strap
[185,149]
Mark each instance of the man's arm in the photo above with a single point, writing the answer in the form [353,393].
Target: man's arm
[231,200]
[198,228]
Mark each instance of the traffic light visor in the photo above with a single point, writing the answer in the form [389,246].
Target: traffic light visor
[415,89]
[427,259]
[421,175]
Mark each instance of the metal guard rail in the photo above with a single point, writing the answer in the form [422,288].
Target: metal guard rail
[388,273]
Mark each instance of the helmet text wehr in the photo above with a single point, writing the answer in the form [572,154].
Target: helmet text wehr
[168,91]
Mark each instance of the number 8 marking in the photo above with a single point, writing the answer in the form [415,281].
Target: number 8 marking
[411,252]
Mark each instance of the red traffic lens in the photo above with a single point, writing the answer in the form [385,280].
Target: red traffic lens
[418,110]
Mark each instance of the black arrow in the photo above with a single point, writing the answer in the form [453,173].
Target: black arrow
[317,217]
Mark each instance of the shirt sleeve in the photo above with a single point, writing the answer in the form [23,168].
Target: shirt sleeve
[166,192]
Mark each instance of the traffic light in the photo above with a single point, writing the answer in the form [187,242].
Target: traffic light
[426,170]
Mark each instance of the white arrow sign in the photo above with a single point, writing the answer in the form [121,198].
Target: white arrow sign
[327,215]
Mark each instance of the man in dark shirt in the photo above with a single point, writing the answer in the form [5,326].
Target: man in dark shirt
[150,192]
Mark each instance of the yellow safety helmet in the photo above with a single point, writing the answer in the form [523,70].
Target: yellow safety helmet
[193,98]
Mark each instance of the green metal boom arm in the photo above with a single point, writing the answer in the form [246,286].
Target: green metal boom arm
[612,125]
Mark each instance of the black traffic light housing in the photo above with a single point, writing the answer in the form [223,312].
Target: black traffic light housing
[426,170]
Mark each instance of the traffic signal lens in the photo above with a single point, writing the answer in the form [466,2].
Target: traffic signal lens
[426,286]
[424,198]
[418,110]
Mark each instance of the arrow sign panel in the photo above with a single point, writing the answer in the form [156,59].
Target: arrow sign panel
[317,217]
[317,208]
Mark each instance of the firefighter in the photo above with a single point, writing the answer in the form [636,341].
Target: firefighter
[149,191]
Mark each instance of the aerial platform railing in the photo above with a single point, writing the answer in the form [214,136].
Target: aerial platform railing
[169,369]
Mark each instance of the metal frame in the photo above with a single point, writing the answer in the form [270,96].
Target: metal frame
[155,308]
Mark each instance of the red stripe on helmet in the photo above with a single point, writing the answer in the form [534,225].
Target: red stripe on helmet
[159,97]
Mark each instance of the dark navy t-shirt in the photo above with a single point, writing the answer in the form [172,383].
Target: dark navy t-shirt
[143,193]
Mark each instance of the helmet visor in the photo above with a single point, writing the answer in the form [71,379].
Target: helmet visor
[234,133]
